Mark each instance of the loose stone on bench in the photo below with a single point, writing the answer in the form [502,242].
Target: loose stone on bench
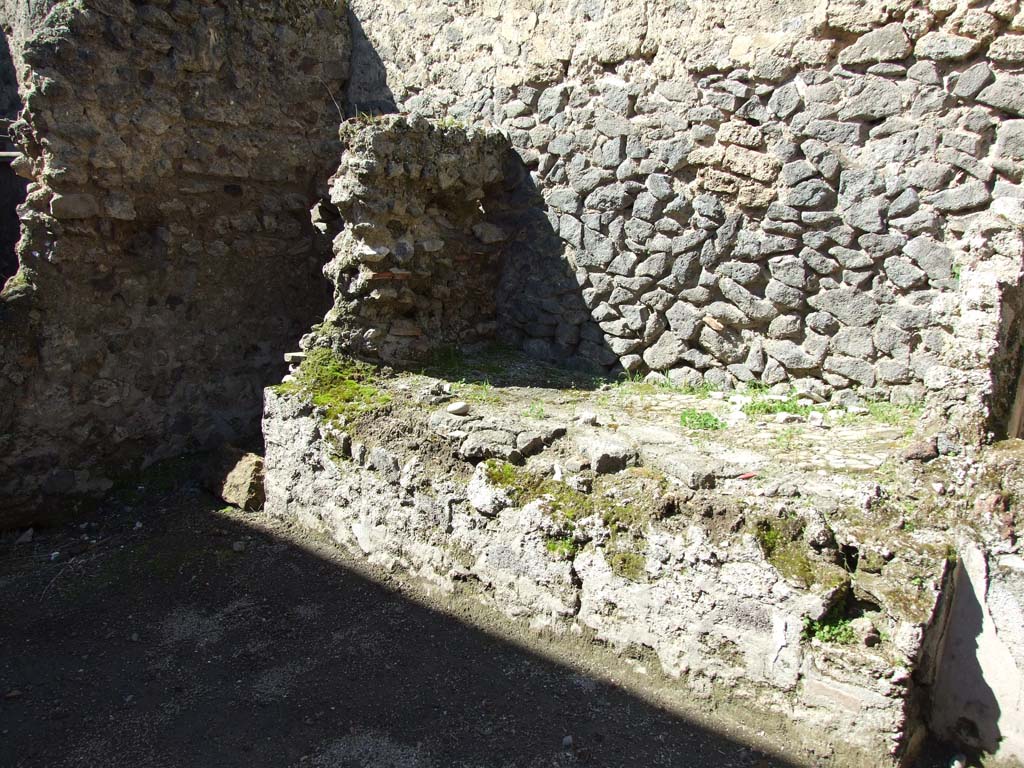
[607,454]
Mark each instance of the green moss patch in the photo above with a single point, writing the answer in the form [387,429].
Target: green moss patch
[628,565]
[563,502]
[783,546]
[626,519]
[343,386]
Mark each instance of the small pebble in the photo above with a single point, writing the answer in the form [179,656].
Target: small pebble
[900,675]
[567,742]
[458,408]
[238,546]
[587,417]
[925,450]
[958,761]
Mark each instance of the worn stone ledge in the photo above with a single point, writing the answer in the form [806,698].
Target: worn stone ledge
[712,550]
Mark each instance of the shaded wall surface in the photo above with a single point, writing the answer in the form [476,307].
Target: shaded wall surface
[12,187]
[749,191]
[173,153]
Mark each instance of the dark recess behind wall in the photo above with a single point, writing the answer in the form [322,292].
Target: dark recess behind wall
[12,187]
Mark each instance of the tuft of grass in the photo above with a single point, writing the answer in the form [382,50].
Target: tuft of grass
[343,386]
[635,384]
[564,503]
[765,406]
[502,474]
[478,392]
[450,123]
[904,416]
[692,418]
[627,521]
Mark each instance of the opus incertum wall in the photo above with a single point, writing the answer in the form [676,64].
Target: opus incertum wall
[756,192]
[826,194]
[167,256]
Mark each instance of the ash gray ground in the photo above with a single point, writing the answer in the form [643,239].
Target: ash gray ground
[161,645]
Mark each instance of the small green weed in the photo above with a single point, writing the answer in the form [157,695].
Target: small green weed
[535,410]
[768,536]
[636,384]
[829,630]
[366,118]
[449,123]
[787,438]
[565,547]
[834,627]
[501,473]
[691,418]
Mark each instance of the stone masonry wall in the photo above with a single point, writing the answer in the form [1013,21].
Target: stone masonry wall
[753,191]
[443,242]
[167,256]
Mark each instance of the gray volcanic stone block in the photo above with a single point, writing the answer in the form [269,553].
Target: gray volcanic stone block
[973,80]
[1006,93]
[849,306]
[945,47]
[888,43]
[960,198]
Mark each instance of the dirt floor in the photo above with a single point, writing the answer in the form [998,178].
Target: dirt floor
[171,632]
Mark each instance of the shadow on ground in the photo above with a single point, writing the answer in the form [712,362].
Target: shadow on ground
[173,633]
[500,365]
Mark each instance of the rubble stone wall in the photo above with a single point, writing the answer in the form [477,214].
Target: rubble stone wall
[167,257]
[440,239]
[756,191]
[666,565]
